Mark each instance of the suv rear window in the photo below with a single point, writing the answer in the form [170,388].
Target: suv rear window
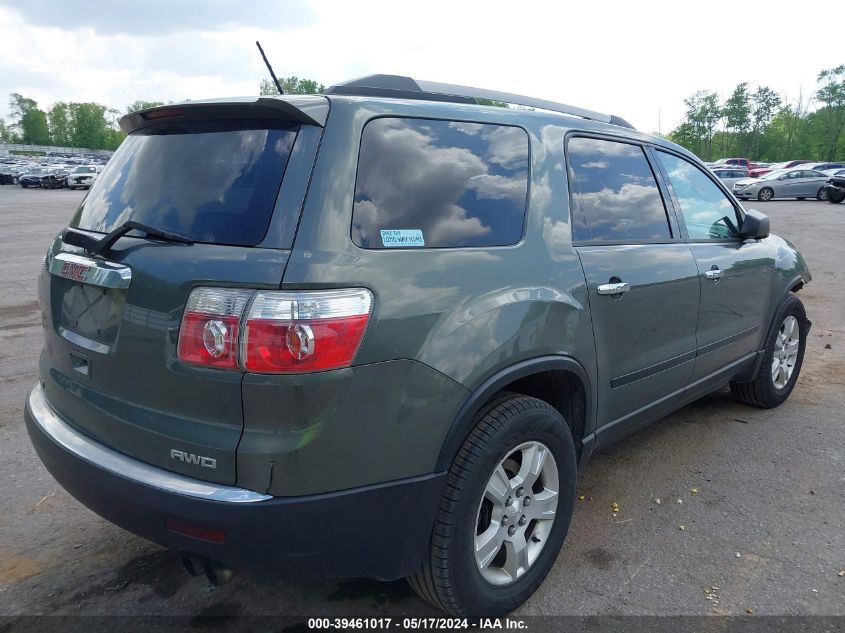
[428,183]
[212,181]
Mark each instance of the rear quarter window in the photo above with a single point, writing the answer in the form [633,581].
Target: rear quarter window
[439,184]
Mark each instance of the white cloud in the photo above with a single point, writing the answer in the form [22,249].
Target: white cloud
[589,55]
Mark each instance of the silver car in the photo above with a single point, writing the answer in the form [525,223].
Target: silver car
[783,183]
[729,174]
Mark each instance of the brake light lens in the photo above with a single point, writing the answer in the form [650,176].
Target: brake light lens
[294,332]
[169,113]
[274,332]
[210,332]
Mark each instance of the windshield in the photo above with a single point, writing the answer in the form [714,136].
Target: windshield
[211,181]
[38,171]
[84,170]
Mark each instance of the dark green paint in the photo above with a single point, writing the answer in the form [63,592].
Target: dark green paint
[443,322]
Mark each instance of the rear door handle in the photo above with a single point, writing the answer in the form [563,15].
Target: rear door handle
[613,289]
[714,274]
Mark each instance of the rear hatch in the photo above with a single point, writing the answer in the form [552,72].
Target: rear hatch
[229,177]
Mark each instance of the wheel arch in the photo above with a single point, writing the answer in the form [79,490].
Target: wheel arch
[791,288]
[559,380]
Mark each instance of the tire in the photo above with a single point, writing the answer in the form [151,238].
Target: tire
[821,195]
[835,197]
[801,198]
[765,194]
[769,389]
[451,578]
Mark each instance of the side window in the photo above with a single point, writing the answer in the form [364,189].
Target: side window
[707,211]
[424,183]
[614,193]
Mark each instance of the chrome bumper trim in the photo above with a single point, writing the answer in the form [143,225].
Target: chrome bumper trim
[127,467]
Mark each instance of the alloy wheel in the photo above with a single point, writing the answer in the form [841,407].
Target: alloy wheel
[787,344]
[516,513]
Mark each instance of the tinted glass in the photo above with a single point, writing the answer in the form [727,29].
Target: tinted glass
[707,211]
[214,182]
[614,193]
[811,173]
[424,183]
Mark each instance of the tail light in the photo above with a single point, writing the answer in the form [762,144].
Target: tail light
[279,332]
[291,332]
[211,327]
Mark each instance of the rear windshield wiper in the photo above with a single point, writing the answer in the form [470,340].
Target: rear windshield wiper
[99,246]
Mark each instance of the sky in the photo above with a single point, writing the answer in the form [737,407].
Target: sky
[637,60]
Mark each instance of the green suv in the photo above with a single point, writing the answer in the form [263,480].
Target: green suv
[377,332]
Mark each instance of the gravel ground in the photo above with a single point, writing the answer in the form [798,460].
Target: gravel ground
[761,494]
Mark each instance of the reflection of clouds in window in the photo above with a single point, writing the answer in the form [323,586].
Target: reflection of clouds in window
[111,175]
[441,177]
[615,193]
[506,145]
[467,128]
[284,144]
[166,163]
[640,180]
[601,147]
[629,211]
[213,185]
[498,187]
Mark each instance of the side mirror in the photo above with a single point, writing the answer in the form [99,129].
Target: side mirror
[755,225]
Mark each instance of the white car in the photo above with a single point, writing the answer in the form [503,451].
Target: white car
[83,177]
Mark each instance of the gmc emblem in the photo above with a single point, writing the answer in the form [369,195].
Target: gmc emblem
[194,460]
[74,271]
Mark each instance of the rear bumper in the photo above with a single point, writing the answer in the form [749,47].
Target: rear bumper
[380,531]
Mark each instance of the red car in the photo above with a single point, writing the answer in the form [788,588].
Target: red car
[761,171]
[742,162]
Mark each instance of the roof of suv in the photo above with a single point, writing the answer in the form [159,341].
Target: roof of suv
[440,99]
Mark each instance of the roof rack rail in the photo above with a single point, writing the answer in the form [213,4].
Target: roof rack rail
[400,87]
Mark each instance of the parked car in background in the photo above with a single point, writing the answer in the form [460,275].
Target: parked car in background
[824,166]
[32,178]
[7,175]
[730,174]
[835,187]
[742,162]
[785,183]
[762,170]
[56,178]
[834,172]
[83,177]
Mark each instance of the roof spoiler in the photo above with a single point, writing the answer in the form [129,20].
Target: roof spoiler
[399,87]
[306,109]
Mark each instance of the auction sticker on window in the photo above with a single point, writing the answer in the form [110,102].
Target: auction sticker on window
[402,238]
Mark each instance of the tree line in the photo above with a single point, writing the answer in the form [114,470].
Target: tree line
[755,123]
[763,125]
[65,123]
[92,125]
